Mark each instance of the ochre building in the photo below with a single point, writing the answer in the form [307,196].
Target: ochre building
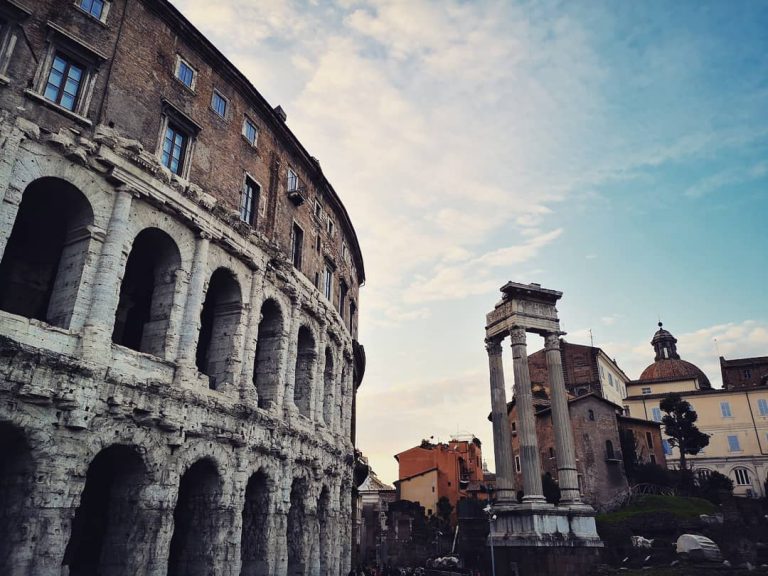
[178,309]
[735,417]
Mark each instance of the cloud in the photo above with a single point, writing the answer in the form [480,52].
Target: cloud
[726,178]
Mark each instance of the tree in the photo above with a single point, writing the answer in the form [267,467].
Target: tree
[444,509]
[629,451]
[680,425]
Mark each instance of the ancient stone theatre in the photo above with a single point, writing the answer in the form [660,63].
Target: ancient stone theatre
[178,309]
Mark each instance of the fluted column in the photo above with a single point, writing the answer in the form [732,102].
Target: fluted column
[502,440]
[529,445]
[106,285]
[561,422]
[193,307]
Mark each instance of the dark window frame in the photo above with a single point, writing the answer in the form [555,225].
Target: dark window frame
[249,201]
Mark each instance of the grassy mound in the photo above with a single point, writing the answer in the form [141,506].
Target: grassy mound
[677,506]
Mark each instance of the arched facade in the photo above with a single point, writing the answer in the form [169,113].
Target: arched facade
[178,396]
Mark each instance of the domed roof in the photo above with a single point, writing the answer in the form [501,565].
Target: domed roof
[668,364]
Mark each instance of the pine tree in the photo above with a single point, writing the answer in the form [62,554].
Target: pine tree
[680,425]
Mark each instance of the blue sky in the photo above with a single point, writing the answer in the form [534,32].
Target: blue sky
[615,151]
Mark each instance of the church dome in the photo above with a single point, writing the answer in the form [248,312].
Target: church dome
[668,365]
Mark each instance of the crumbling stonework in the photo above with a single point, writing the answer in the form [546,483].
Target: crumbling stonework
[176,393]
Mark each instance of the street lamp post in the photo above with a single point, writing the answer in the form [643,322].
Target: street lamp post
[491,517]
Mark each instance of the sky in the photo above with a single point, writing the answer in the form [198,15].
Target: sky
[615,151]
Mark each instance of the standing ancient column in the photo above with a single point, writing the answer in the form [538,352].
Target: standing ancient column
[529,445]
[561,422]
[502,440]
[106,285]
[193,307]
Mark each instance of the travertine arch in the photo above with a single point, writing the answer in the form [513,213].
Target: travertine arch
[28,169]
[305,354]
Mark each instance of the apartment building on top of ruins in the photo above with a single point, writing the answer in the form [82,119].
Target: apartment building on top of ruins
[178,309]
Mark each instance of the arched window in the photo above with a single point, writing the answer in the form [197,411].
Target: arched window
[146,293]
[219,320]
[305,364]
[742,477]
[44,259]
[269,347]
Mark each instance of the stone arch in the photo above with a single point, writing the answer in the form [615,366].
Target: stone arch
[328,386]
[306,356]
[16,483]
[196,517]
[219,321]
[44,259]
[269,347]
[254,542]
[297,532]
[109,523]
[147,292]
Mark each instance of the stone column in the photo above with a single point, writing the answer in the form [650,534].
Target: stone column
[318,389]
[192,309]
[561,422]
[106,286]
[502,440]
[248,391]
[529,445]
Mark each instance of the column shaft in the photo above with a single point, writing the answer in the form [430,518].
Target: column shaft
[529,445]
[561,422]
[194,304]
[106,284]
[502,440]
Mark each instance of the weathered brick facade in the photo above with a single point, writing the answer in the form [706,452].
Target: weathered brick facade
[177,385]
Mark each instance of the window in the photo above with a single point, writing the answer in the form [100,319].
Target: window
[733,444]
[610,380]
[591,415]
[344,252]
[249,202]
[667,447]
[747,374]
[626,410]
[250,132]
[318,243]
[175,144]
[318,210]
[762,406]
[297,241]
[293,180]
[742,476]
[514,426]
[609,453]
[64,80]
[649,439]
[725,409]
[656,412]
[328,282]
[646,390]
[219,104]
[551,452]
[517,464]
[185,73]
[329,226]
[93,7]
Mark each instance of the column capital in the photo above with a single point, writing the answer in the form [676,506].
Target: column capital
[493,346]
[552,340]
[517,336]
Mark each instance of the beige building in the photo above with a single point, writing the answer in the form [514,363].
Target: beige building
[735,419]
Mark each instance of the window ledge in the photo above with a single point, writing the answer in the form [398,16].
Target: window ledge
[189,89]
[254,147]
[89,15]
[60,109]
